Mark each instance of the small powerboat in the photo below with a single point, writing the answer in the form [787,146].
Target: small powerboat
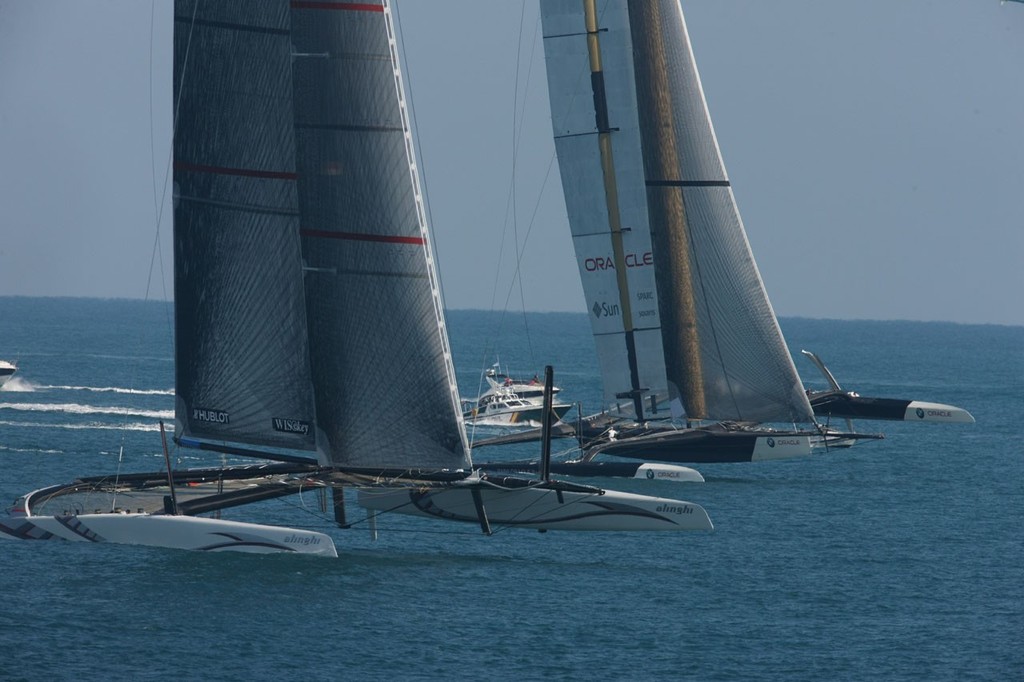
[7,370]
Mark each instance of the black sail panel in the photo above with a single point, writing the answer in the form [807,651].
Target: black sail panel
[381,364]
[242,370]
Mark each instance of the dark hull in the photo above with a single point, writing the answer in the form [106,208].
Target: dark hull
[717,443]
[583,469]
[842,405]
[690,446]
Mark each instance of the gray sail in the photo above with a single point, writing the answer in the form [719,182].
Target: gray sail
[242,370]
[384,381]
[723,354]
[597,138]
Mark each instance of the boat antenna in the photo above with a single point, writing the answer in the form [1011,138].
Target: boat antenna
[545,426]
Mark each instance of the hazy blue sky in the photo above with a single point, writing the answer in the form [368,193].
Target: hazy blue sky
[876,149]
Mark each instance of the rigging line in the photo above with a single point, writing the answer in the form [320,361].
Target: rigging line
[510,208]
[396,39]
[517,276]
[533,216]
[420,158]
[155,251]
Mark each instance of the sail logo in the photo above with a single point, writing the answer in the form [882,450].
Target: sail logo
[672,509]
[210,416]
[632,260]
[604,310]
[290,425]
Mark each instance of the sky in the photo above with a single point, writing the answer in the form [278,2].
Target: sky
[875,149]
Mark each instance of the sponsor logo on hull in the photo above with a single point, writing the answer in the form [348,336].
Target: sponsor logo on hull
[781,447]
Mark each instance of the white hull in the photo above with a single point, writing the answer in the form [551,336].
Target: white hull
[937,412]
[543,509]
[7,371]
[655,471]
[781,447]
[174,532]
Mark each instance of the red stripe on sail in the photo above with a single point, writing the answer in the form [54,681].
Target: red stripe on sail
[357,237]
[242,172]
[352,6]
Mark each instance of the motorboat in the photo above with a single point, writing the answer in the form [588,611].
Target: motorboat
[7,370]
[510,401]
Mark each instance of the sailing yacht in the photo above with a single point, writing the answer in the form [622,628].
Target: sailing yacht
[682,323]
[301,250]
[680,316]
[509,401]
[7,370]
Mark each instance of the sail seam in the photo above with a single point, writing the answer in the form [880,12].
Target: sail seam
[381,273]
[610,129]
[574,35]
[348,127]
[241,172]
[635,329]
[688,183]
[361,237]
[233,26]
[249,208]
[349,6]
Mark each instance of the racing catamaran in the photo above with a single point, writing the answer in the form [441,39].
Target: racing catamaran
[305,296]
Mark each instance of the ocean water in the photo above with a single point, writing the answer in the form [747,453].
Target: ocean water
[899,560]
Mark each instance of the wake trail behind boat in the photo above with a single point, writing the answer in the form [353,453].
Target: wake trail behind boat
[18,385]
[110,389]
[99,426]
[75,408]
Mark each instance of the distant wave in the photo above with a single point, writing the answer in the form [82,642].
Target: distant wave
[75,408]
[111,389]
[80,427]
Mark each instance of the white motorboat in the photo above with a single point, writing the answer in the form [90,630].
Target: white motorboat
[502,406]
[7,370]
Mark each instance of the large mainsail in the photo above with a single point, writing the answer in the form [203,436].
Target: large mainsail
[385,389]
[655,225]
[307,305]
[308,313]
[242,368]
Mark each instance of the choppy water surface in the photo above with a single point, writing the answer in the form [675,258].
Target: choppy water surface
[898,560]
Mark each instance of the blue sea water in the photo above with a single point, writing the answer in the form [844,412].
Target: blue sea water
[899,560]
